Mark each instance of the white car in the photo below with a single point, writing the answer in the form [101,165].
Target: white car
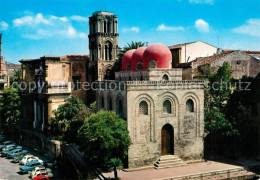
[41,171]
[29,158]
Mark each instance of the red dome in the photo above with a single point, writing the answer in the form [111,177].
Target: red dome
[127,58]
[137,57]
[159,53]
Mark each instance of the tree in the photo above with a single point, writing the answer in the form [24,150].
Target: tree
[10,107]
[16,76]
[115,163]
[240,108]
[118,64]
[68,118]
[104,136]
[216,97]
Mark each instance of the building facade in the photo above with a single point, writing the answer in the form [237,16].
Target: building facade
[164,114]
[243,64]
[48,82]
[183,53]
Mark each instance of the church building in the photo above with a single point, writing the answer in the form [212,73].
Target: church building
[164,114]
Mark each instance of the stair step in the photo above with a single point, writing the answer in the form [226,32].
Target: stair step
[168,157]
[169,161]
[170,164]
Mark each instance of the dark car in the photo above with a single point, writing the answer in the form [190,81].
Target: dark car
[9,150]
[30,166]
[5,144]
[15,152]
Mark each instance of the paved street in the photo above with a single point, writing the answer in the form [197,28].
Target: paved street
[188,171]
[9,170]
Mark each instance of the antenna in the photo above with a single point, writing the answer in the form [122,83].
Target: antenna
[105,5]
[218,41]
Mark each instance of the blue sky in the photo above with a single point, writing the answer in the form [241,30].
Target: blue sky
[33,28]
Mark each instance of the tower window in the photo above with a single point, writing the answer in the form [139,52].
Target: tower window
[190,106]
[108,27]
[143,108]
[108,50]
[167,107]
[105,27]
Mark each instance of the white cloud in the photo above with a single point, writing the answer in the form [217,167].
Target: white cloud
[41,26]
[31,20]
[162,27]
[132,29]
[202,26]
[64,19]
[79,18]
[251,27]
[3,26]
[202,1]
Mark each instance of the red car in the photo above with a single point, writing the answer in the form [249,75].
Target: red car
[41,177]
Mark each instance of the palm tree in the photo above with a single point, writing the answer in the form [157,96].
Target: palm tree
[117,66]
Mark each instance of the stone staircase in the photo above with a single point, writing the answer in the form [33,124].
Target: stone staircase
[168,161]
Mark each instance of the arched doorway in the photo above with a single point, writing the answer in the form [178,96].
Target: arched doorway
[167,139]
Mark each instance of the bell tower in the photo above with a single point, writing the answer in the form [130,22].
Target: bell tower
[103,43]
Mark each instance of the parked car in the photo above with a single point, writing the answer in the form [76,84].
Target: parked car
[5,144]
[15,152]
[29,158]
[18,158]
[9,149]
[41,177]
[2,137]
[30,166]
[41,171]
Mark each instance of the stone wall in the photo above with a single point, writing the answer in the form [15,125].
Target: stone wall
[145,130]
[242,63]
[36,141]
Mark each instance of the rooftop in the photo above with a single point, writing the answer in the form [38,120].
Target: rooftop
[184,44]
[209,59]
[102,12]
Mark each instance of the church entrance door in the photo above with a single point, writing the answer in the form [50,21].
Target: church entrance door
[167,139]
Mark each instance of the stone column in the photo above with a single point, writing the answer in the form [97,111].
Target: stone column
[35,114]
[43,117]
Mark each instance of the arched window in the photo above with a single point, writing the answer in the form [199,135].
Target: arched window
[152,64]
[108,27]
[110,104]
[105,26]
[165,77]
[139,65]
[167,107]
[108,50]
[143,108]
[190,106]
[102,102]
[128,67]
[120,107]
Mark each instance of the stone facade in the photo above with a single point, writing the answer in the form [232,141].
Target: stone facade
[149,106]
[242,63]
[103,42]
[55,80]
